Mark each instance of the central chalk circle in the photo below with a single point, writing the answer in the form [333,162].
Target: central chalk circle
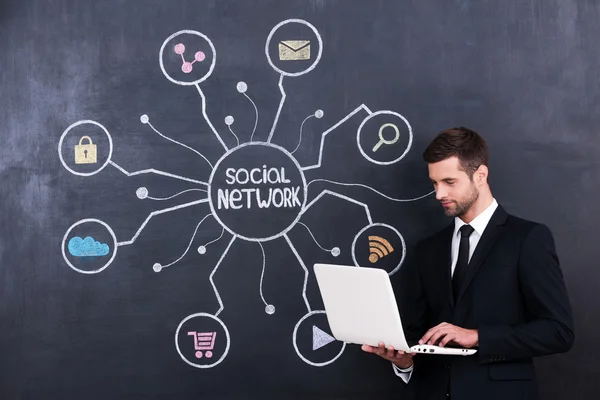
[257,191]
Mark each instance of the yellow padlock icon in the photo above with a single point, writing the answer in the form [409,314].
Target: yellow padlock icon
[85,153]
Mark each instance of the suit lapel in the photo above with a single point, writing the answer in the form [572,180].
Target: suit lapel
[490,234]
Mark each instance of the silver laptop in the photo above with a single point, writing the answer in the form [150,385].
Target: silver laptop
[361,308]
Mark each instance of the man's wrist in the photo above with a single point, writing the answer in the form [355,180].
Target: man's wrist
[402,366]
[475,338]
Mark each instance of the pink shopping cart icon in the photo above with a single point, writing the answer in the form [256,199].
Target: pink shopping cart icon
[203,341]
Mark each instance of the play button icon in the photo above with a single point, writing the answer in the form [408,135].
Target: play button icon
[321,338]
[313,341]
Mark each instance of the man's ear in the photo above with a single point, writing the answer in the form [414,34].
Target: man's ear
[481,175]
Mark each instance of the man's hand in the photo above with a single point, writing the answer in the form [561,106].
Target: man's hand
[449,333]
[399,358]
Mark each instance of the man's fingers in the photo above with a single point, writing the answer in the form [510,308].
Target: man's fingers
[391,352]
[438,335]
[427,335]
[379,350]
[449,337]
[430,332]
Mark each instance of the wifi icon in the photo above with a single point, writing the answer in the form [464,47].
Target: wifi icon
[378,248]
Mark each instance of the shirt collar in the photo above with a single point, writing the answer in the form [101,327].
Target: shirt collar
[480,222]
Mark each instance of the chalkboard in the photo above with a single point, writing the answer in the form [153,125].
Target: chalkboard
[171,171]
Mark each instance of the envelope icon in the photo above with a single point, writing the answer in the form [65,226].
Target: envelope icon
[291,50]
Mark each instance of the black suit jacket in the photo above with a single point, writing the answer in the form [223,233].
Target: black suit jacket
[514,295]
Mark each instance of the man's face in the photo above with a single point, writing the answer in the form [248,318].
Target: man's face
[453,188]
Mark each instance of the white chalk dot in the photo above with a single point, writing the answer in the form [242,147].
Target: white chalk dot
[202,249]
[242,87]
[319,113]
[229,120]
[157,267]
[141,193]
[144,118]
[270,309]
[335,251]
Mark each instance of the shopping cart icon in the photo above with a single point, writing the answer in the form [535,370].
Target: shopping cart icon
[203,341]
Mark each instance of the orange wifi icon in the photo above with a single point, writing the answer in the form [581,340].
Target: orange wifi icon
[379,248]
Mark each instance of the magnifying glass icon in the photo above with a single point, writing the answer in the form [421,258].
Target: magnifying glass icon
[382,141]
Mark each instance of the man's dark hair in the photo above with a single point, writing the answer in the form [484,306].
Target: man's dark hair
[464,143]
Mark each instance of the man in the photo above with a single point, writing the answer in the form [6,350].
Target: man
[489,281]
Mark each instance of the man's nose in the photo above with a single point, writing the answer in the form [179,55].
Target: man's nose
[440,194]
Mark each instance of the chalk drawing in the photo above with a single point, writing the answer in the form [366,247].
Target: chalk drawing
[283,95]
[321,338]
[179,48]
[157,172]
[216,211]
[318,341]
[242,88]
[210,278]
[146,120]
[187,66]
[158,212]
[294,50]
[324,134]
[142,193]
[212,128]
[335,251]
[229,121]
[86,153]
[158,267]
[380,225]
[370,188]
[382,141]
[287,239]
[106,263]
[290,74]
[202,249]
[268,179]
[68,131]
[312,65]
[197,320]
[88,247]
[329,192]
[269,308]
[379,247]
[203,341]
[317,114]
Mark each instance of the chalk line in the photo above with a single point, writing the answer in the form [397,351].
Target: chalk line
[213,273]
[157,172]
[158,212]
[347,117]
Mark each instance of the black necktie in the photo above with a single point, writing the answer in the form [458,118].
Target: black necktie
[460,271]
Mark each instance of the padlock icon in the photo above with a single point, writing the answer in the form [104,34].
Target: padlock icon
[85,153]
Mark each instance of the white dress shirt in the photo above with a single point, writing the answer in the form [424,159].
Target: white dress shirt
[479,224]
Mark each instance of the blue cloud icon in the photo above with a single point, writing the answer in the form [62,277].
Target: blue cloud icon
[88,247]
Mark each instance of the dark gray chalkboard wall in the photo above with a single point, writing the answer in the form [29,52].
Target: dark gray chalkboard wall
[523,73]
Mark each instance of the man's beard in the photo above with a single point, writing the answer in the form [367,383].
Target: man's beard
[462,206]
